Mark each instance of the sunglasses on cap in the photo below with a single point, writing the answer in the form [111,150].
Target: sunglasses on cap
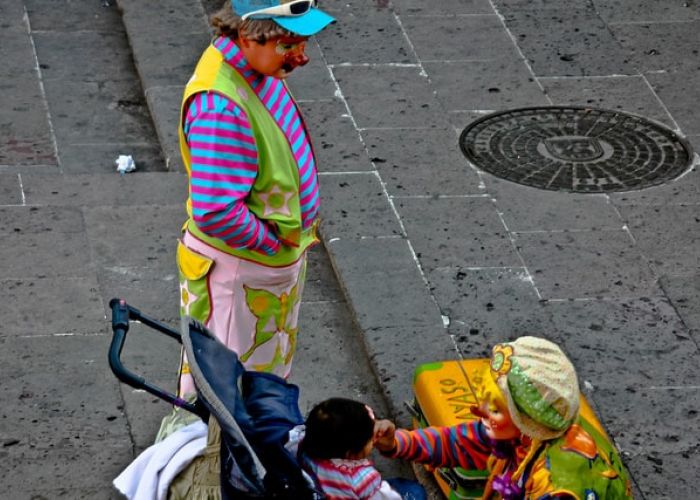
[289,9]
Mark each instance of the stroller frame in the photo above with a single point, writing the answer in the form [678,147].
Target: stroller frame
[121,314]
[255,410]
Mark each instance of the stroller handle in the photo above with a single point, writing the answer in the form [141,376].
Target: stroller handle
[121,314]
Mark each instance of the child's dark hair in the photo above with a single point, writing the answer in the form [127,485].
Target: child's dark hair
[337,427]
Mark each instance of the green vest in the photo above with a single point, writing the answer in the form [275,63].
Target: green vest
[278,172]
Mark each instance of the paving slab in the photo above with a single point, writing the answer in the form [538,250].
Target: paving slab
[164,106]
[109,55]
[336,142]
[653,227]
[460,38]
[158,77]
[156,292]
[388,97]
[157,18]
[365,38]
[493,84]
[321,284]
[184,50]
[477,339]
[99,112]
[383,284]
[586,264]
[101,158]
[382,82]
[665,477]
[354,206]
[338,7]
[55,237]
[567,42]
[626,93]
[684,190]
[70,428]
[524,208]
[67,15]
[64,305]
[26,137]
[11,14]
[504,6]
[10,189]
[640,11]
[16,51]
[461,119]
[434,166]
[652,422]
[487,306]
[401,112]
[684,293]
[445,7]
[626,342]
[660,45]
[73,493]
[24,110]
[113,189]
[117,241]
[679,91]
[28,150]
[446,241]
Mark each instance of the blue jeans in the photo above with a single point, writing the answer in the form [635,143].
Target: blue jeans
[408,489]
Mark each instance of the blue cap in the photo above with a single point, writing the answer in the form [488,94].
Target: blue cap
[308,24]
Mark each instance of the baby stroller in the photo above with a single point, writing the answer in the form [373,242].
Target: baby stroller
[254,410]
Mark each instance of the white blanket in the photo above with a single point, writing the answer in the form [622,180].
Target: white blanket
[150,474]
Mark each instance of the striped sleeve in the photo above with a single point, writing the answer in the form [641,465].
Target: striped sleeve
[464,445]
[366,481]
[224,165]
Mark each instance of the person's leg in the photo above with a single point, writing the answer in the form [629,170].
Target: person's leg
[206,279]
[262,328]
[408,489]
[253,309]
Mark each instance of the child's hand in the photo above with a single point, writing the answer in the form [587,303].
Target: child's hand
[384,435]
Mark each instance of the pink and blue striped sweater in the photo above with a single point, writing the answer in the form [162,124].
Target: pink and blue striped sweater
[225,159]
[345,479]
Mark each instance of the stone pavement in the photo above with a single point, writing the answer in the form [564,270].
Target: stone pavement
[435,259]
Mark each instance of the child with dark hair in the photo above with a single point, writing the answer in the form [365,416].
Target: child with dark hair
[338,442]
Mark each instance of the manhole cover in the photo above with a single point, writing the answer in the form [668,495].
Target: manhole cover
[575,149]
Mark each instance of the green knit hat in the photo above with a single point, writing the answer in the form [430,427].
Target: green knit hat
[539,385]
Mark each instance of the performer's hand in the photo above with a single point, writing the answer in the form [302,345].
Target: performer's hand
[384,435]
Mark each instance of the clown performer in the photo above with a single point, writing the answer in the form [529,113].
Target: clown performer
[529,435]
[253,186]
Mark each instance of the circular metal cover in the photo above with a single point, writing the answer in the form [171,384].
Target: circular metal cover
[582,150]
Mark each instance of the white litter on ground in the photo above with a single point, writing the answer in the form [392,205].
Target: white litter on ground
[125,163]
